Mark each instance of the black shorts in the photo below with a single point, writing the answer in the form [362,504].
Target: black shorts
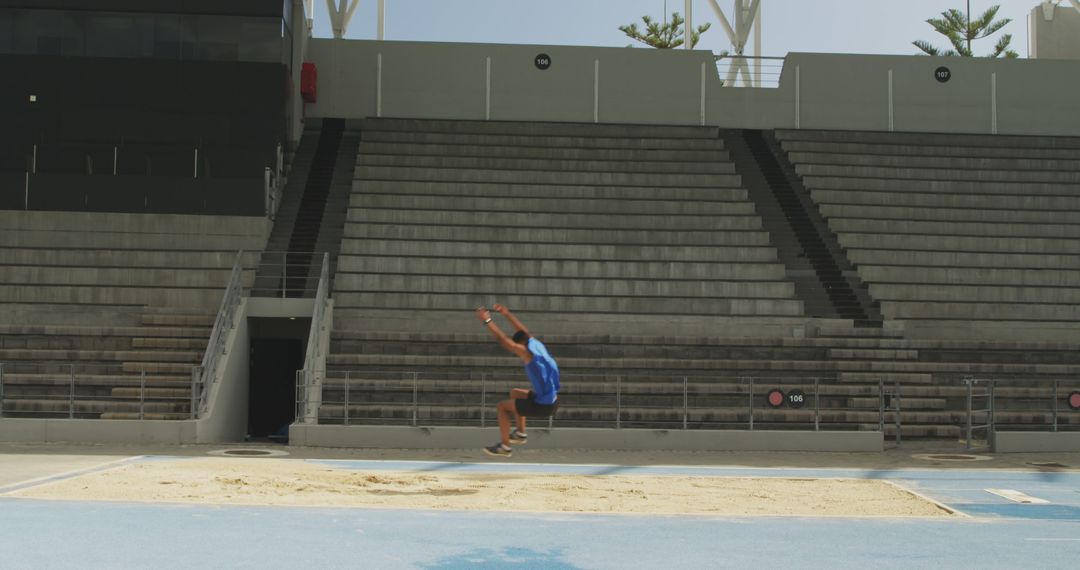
[528,407]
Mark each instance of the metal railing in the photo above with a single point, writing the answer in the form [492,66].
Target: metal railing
[310,377]
[979,391]
[408,397]
[92,391]
[204,374]
[749,71]
[285,274]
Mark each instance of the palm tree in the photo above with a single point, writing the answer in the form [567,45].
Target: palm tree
[962,30]
[666,35]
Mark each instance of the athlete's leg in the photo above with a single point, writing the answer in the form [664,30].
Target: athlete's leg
[519,394]
[505,411]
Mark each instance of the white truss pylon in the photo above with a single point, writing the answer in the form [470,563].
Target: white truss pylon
[747,13]
[341,15]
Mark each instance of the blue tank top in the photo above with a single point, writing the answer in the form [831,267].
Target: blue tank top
[543,373]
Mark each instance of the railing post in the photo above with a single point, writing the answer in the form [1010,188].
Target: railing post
[751,378]
[195,374]
[618,402]
[1053,401]
[142,394]
[990,432]
[71,394]
[881,406]
[415,400]
[817,406]
[483,399]
[348,376]
[1,389]
[284,273]
[685,403]
[266,190]
[968,381]
[896,404]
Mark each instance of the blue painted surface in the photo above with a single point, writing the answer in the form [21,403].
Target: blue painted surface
[1002,534]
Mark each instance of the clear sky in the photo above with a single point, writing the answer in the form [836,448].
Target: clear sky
[833,26]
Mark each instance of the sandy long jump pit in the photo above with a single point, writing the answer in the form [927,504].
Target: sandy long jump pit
[290,482]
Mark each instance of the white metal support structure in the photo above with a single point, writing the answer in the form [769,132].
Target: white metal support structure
[689,26]
[747,13]
[341,15]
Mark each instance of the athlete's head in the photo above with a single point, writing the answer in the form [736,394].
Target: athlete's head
[521,337]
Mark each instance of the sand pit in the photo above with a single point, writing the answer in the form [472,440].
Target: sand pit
[297,483]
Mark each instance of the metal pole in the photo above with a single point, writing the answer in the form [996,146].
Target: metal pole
[487,90]
[347,375]
[968,382]
[896,399]
[142,394]
[33,164]
[26,192]
[685,403]
[1053,402]
[688,27]
[483,399]
[1,389]
[115,154]
[382,18]
[881,406]
[618,402]
[798,93]
[817,406]
[71,395]
[702,113]
[596,92]
[378,85]
[891,116]
[990,432]
[751,403]
[284,273]
[194,388]
[415,400]
[195,169]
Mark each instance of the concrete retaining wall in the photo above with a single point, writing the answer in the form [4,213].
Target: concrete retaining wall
[1026,441]
[360,78]
[396,437]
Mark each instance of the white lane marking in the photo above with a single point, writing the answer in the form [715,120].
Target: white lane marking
[1018,497]
[67,475]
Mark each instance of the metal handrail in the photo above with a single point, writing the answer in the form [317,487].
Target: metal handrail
[749,71]
[971,393]
[403,391]
[315,346]
[277,276]
[225,321]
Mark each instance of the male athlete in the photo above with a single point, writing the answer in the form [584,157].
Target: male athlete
[543,373]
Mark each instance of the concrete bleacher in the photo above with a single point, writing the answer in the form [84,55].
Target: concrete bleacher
[597,225]
[634,253]
[106,299]
[959,236]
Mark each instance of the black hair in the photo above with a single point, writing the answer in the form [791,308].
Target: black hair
[521,337]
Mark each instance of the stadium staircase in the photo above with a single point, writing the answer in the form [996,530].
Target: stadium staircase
[814,261]
[312,213]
